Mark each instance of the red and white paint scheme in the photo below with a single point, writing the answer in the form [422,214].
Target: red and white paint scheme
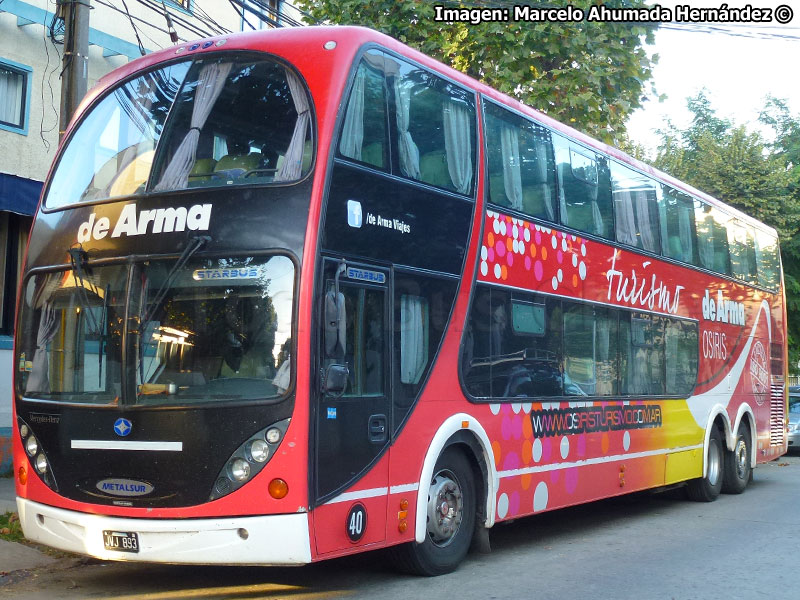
[293,295]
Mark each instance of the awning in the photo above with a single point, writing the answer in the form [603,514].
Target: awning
[19,195]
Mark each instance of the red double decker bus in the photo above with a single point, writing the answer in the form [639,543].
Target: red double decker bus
[292,295]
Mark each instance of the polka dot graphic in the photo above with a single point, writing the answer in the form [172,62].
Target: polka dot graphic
[564,447]
[502,506]
[521,254]
[537,450]
[540,497]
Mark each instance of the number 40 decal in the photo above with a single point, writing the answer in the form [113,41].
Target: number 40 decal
[356,523]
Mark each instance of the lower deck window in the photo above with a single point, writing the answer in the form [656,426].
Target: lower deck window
[523,345]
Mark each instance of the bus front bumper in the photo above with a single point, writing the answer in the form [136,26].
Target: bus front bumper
[261,540]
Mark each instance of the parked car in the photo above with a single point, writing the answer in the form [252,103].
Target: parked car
[794,417]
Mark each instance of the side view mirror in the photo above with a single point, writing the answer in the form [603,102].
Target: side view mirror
[334,328]
[334,380]
[335,318]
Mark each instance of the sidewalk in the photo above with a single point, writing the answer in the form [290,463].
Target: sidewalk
[14,556]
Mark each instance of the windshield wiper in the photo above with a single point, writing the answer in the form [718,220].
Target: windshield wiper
[78,260]
[148,310]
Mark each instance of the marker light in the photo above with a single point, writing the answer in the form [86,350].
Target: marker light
[22,475]
[278,488]
[31,446]
[41,464]
[258,451]
[273,435]
[239,469]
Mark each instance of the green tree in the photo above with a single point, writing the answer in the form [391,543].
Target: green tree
[590,75]
[740,168]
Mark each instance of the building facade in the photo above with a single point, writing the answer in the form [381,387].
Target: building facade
[31,49]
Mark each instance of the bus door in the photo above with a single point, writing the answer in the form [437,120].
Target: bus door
[353,410]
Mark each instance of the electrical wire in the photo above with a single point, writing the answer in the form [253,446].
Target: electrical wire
[178,19]
[269,14]
[48,77]
[244,18]
[135,18]
[135,31]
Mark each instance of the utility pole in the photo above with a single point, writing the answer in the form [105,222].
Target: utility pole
[75,64]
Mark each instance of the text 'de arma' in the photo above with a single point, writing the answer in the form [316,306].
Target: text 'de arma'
[159,220]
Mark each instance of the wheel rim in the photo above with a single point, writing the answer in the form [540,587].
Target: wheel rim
[445,508]
[740,456]
[714,464]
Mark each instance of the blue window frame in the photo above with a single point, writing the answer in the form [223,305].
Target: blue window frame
[15,96]
[183,5]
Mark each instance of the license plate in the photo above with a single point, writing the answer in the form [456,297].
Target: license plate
[121,541]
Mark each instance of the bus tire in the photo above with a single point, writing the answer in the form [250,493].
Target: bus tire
[450,518]
[737,463]
[706,489]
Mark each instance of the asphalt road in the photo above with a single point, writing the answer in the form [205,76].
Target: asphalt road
[642,546]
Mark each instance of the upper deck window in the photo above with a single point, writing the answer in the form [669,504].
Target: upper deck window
[220,120]
[635,208]
[768,260]
[521,164]
[364,137]
[423,122]
[712,238]
[111,152]
[584,188]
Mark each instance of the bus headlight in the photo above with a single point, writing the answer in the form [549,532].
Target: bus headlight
[41,463]
[258,451]
[239,469]
[248,459]
[36,455]
[31,446]
[273,435]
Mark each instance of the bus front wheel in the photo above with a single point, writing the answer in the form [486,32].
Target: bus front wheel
[706,489]
[450,519]
[737,463]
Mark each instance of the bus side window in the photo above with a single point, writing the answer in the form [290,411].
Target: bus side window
[364,347]
[681,348]
[641,345]
[768,261]
[678,231]
[363,137]
[743,252]
[521,164]
[435,128]
[590,350]
[525,333]
[712,238]
[635,209]
[584,188]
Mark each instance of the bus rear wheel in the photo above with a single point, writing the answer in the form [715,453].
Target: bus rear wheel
[450,519]
[737,463]
[706,489]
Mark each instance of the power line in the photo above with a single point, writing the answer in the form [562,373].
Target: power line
[181,20]
[135,31]
[268,14]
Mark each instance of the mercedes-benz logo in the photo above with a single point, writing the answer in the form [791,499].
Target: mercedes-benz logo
[122,427]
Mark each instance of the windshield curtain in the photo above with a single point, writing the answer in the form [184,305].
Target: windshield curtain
[216,330]
[216,121]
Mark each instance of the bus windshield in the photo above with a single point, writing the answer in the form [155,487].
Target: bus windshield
[214,330]
[217,121]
